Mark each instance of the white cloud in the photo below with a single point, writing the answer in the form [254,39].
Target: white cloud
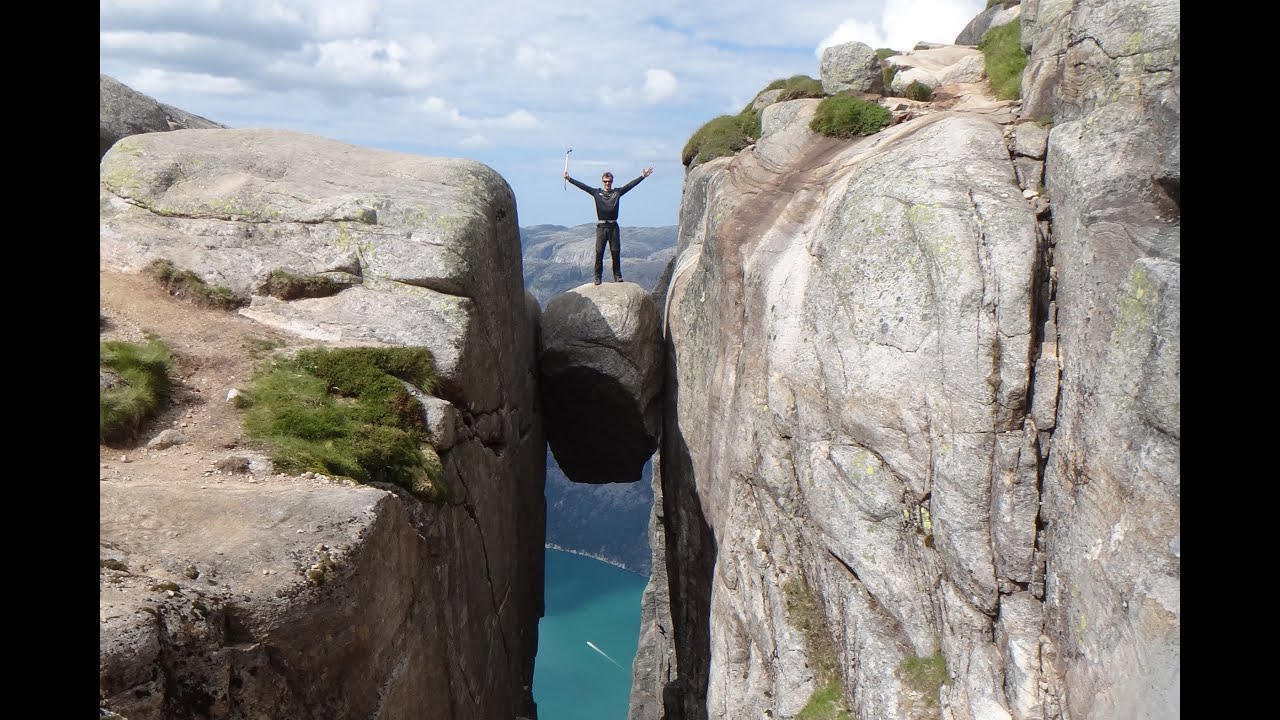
[852,30]
[905,23]
[341,18]
[442,113]
[158,83]
[161,43]
[505,80]
[659,85]
[359,61]
[518,120]
[541,62]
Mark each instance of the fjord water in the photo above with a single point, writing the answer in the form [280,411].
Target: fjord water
[586,601]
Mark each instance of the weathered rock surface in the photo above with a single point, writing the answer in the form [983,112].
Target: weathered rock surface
[279,599]
[832,381]
[415,236]
[994,16]
[124,111]
[851,66]
[451,592]
[935,67]
[601,375]
[1112,478]
[903,387]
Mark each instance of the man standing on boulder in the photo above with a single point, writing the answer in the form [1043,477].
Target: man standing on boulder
[607,217]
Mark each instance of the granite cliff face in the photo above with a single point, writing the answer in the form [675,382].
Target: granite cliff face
[285,596]
[922,395]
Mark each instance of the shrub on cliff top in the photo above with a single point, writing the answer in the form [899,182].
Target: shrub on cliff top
[919,91]
[845,116]
[796,87]
[721,137]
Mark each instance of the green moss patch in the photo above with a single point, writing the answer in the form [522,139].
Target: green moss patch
[188,285]
[345,412]
[827,703]
[796,87]
[723,136]
[804,614]
[925,675]
[287,286]
[139,386]
[1002,54]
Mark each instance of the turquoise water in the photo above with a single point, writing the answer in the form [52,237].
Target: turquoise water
[586,601]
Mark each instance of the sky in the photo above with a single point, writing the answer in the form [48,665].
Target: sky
[513,84]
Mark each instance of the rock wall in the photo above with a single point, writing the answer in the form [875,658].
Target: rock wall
[420,610]
[923,398]
[1108,74]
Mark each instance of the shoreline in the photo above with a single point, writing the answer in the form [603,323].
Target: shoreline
[593,556]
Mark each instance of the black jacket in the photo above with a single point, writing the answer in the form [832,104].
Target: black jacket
[606,202]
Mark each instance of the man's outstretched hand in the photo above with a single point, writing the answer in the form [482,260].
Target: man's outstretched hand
[566,174]
[648,171]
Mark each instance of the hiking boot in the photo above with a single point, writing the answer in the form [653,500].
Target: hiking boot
[597,282]
[617,278]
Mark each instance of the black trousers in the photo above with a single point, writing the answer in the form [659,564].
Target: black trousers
[607,232]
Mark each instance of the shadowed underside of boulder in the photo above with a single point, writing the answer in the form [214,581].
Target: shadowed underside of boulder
[600,366]
[595,432]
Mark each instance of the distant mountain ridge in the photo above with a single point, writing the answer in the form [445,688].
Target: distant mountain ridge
[557,258]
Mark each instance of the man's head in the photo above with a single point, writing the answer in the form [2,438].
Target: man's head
[607,180]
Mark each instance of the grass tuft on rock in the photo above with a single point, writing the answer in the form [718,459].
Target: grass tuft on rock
[919,91]
[804,614]
[287,286]
[345,412]
[188,285]
[1004,58]
[925,675]
[723,136]
[796,87]
[827,703]
[845,116]
[135,386]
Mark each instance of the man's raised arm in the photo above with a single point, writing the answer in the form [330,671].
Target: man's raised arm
[583,186]
[622,190]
